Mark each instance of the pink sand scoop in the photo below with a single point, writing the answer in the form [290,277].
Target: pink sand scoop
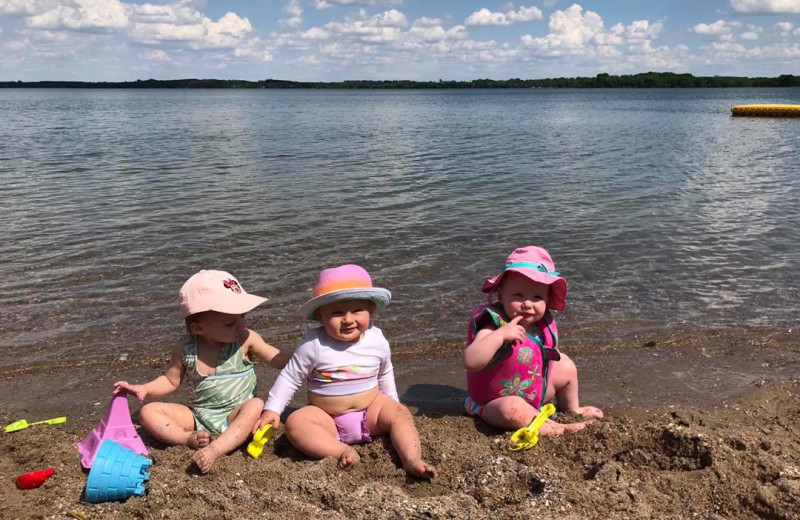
[116,425]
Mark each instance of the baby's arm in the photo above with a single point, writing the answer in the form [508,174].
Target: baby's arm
[163,385]
[386,381]
[289,380]
[257,347]
[488,341]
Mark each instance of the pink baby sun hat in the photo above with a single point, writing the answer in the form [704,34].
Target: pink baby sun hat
[535,264]
[209,290]
[346,282]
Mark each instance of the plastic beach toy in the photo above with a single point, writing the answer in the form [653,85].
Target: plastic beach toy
[22,424]
[34,479]
[117,473]
[260,438]
[526,438]
[115,425]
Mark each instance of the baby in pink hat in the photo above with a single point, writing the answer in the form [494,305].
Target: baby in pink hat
[513,365]
[216,361]
[347,367]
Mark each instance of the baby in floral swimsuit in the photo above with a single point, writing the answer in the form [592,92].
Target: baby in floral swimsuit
[513,365]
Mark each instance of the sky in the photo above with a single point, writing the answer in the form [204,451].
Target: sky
[335,40]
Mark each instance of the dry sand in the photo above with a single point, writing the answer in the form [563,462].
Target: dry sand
[703,426]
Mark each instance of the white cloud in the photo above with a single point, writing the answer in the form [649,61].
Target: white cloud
[157,55]
[717,28]
[485,17]
[316,33]
[766,6]
[26,7]
[82,15]
[295,13]
[327,4]
[571,31]
[749,35]
[380,28]
[784,26]
[457,32]
[430,34]
[427,22]
[306,60]
[17,45]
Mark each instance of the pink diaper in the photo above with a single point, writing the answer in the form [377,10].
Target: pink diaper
[352,427]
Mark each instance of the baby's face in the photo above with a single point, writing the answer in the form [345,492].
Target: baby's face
[220,327]
[346,320]
[521,296]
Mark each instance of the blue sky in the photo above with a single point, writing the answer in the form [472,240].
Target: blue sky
[334,40]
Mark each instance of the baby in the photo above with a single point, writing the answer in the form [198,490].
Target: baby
[217,362]
[513,366]
[347,365]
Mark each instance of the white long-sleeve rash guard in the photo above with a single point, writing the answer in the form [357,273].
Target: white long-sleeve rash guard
[334,368]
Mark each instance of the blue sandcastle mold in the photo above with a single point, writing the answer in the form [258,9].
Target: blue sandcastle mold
[117,473]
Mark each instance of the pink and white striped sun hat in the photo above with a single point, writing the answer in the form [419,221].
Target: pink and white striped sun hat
[535,264]
[346,282]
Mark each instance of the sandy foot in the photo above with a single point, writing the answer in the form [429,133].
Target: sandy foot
[590,412]
[348,458]
[205,458]
[420,469]
[198,440]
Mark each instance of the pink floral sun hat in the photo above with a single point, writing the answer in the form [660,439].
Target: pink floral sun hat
[535,264]
[346,282]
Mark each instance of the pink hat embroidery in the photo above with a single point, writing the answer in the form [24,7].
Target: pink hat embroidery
[535,264]
[210,290]
[346,282]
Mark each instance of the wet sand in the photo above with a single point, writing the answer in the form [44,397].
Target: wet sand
[705,425]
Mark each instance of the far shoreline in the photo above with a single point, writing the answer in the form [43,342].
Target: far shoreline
[603,80]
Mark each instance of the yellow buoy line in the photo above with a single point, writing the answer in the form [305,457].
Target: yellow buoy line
[766,110]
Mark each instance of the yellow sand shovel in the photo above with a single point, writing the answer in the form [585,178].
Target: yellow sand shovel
[526,438]
[22,424]
[260,438]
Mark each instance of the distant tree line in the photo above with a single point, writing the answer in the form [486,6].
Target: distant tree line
[643,80]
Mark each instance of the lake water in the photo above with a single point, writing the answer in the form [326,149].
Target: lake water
[660,209]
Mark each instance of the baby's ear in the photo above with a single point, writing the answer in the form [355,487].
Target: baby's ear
[196,328]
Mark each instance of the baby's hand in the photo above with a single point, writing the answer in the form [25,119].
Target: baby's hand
[512,331]
[267,417]
[137,391]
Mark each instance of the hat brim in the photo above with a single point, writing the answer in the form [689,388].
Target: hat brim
[236,304]
[558,286]
[378,295]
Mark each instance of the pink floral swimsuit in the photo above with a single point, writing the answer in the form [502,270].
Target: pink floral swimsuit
[520,369]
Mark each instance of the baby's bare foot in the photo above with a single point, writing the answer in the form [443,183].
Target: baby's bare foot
[205,458]
[590,412]
[552,428]
[198,440]
[420,469]
[348,458]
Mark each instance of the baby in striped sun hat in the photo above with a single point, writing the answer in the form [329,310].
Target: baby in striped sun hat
[346,363]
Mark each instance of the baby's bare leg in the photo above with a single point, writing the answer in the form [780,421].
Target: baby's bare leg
[312,431]
[387,415]
[172,424]
[563,384]
[508,413]
[240,424]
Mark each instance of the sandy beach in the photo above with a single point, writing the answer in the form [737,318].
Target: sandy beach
[697,426]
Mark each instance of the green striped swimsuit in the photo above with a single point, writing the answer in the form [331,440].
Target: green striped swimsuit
[213,398]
